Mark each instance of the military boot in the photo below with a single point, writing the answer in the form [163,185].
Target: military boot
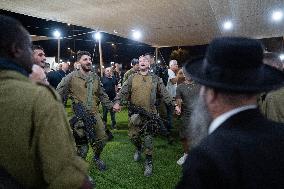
[148,168]
[99,163]
[137,155]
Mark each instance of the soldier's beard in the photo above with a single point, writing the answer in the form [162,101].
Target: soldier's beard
[200,120]
[86,68]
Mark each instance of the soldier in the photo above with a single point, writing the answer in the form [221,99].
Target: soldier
[84,86]
[37,147]
[134,69]
[142,89]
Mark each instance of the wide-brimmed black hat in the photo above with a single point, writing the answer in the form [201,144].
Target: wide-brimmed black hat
[234,64]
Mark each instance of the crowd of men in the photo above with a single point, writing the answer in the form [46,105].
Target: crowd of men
[224,100]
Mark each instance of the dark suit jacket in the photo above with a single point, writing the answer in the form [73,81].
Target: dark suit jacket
[246,151]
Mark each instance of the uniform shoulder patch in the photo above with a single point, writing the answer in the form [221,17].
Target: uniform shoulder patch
[52,90]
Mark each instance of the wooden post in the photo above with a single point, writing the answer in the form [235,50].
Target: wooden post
[156,54]
[58,50]
[101,57]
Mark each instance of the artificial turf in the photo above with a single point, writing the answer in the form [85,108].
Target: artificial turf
[123,172]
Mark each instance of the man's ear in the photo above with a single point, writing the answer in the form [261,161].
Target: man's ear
[16,51]
[211,95]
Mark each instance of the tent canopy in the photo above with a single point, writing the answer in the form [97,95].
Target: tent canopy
[163,22]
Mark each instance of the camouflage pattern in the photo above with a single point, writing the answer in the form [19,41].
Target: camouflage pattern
[36,142]
[142,91]
[75,84]
[127,74]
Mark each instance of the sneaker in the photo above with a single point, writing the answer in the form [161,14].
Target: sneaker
[137,155]
[100,164]
[148,168]
[182,159]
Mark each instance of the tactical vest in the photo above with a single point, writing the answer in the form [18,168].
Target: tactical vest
[144,90]
[83,89]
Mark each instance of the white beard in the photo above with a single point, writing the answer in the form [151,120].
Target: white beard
[200,120]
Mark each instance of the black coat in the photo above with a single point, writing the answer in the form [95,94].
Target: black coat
[246,151]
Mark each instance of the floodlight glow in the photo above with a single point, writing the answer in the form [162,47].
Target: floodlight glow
[277,16]
[98,36]
[159,61]
[281,56]
[228,25]
[137,35]
[56,34]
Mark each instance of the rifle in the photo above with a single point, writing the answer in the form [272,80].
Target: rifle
[88,119]
[154,123]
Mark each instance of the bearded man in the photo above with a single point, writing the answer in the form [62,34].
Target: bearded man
[243,149]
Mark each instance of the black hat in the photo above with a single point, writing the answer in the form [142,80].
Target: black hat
[235,64]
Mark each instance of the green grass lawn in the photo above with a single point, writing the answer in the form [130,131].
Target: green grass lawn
[123,172]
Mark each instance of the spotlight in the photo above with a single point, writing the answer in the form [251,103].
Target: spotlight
[56,34]
[136,35]
[228,25]
[97,36]
[277,16]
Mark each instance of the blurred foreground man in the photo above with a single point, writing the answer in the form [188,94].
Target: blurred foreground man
[243,149]
[36,144]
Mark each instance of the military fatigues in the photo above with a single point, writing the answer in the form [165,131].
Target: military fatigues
[187,93]
[36,144]
[75,85]
[142,91]
[127,74]
[272,105]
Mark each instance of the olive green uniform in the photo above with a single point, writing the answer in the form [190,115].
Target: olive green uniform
[75,85]
[273,105]
[127,74]
[36,143]
[142,91]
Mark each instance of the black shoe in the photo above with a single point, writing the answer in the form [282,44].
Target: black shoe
[148,168]
[100,164]
[109,135]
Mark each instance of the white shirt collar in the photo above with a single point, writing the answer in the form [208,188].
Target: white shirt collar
[222,118]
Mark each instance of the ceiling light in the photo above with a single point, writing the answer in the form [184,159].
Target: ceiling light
[56,34]
[228,25]
[277,16]
[97,36]
[136,35]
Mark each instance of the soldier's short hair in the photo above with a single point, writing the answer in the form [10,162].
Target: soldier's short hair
[81,53]
[134,61]
[37,47]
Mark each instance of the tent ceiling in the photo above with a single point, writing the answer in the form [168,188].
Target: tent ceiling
[162,22]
